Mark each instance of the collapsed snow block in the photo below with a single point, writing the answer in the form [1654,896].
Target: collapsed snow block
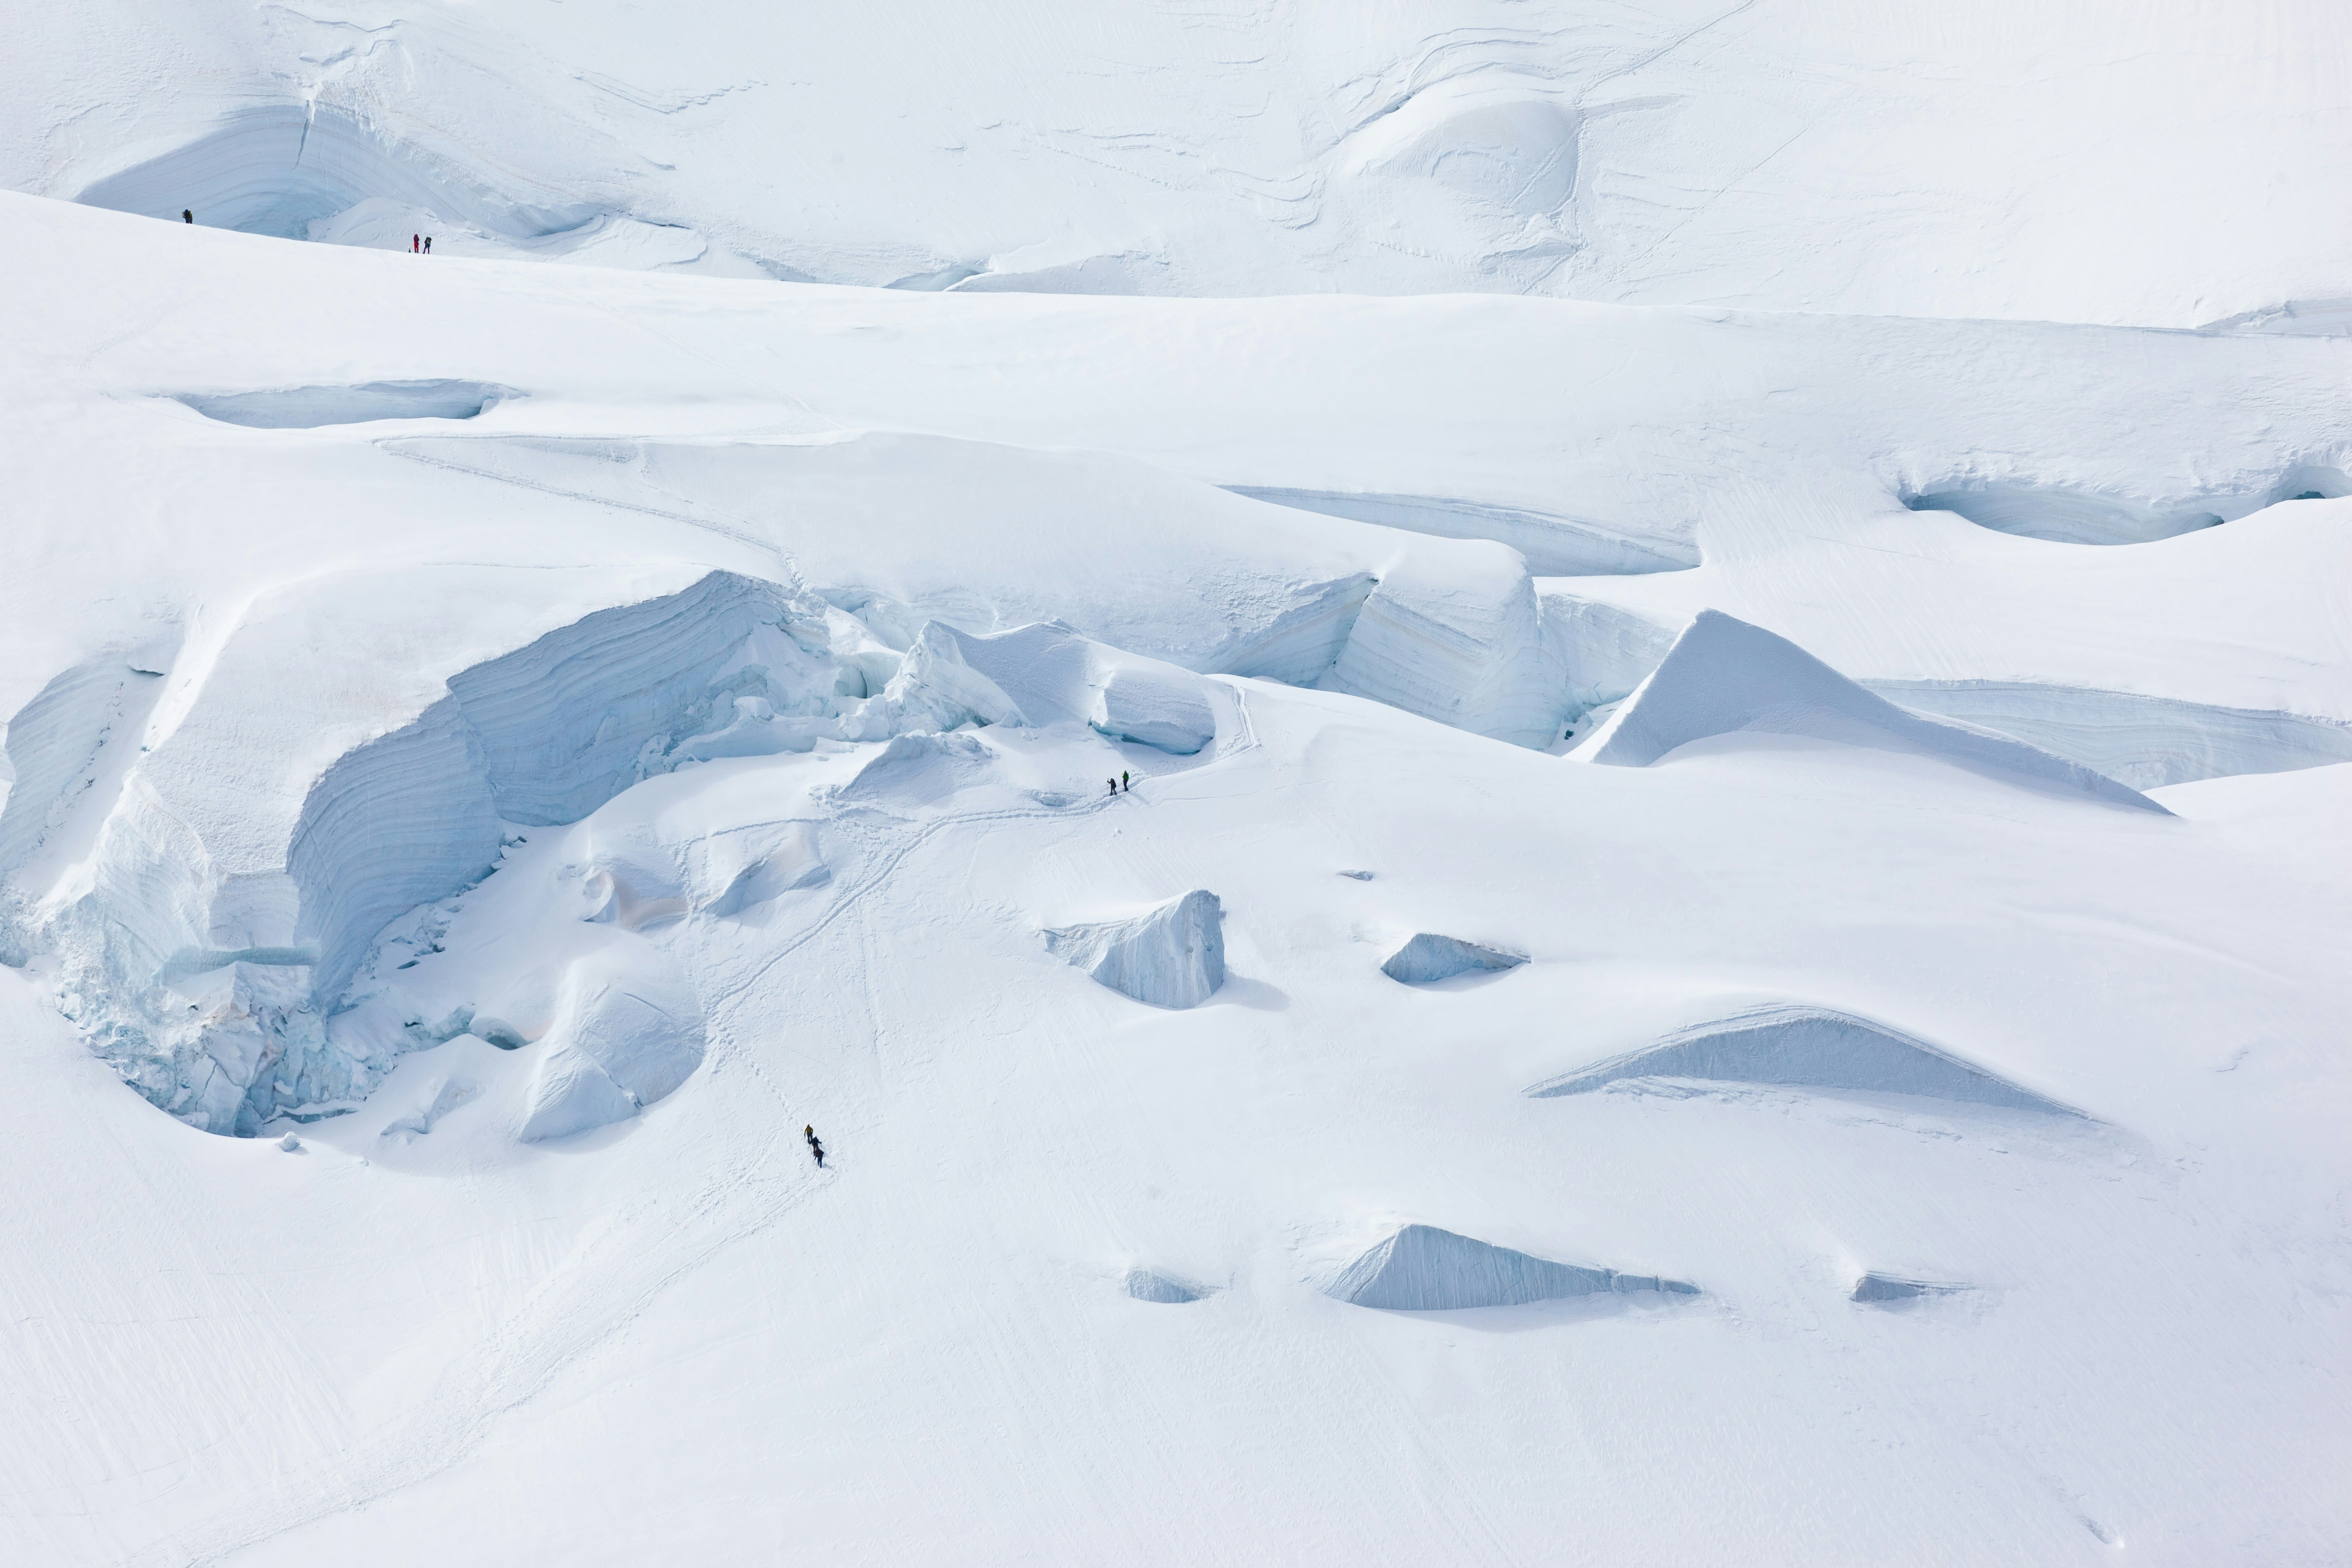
[1150,1285]
[627,1034]
[1452,634]
[1893,1290]
[1725,677]
[1052,673]
[1172,957]
[1810,1048]
[1429,958]
[1420,1269]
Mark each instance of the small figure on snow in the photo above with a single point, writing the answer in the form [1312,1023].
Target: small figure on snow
[814,1147]
[413,243]
[186,216]
[1114,787]
[1123,783]
[429,244]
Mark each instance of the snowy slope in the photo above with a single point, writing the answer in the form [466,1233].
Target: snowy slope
[1634,1008]
[2169,164]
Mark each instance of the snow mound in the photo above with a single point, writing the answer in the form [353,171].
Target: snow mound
[627,1032]
[1420,1269]
[1429,958]
[1893,1290]
[308,408]
[1151,1285]
[1051,672]
[2144,742]
[1810,1048]
[1172,957]
[2067,515]
[1554,546]
[1723,676]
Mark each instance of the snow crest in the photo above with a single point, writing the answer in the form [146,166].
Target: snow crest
[1420,1269]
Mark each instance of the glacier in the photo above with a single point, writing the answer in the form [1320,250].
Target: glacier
[1509,781]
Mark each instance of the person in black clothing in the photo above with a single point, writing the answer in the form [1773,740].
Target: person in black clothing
[186,216]
[429,244]
[1114,787]
[814,1147]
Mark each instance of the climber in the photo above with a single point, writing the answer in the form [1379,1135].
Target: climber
[1114,787]
[1123,783]
[413,243]
[186,216]
[814,1147]
[429,244]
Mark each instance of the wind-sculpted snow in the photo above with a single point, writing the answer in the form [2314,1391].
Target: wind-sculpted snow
[1420,1269]
[308,408]
[2144,742]
[1429,958]
[1173,956]
[1811,1047]
[1554,546]
[1725,677]
[57,746]
[627,1032]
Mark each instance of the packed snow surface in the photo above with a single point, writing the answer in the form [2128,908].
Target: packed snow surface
[1813,537]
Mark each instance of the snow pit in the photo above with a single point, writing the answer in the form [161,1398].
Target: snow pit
[1173,956]
[1429,958]
[1810,1048]
[627,1032]
[1420,1269]
[2144,742]
[1554,546]
[1724,677]
[1150,1285]
[1892,1290]
[308,407]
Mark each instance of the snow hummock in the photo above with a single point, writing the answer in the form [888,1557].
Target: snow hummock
[1808,1047]
[1422,1269]
[1725,677]
[1894,1291]
[1429,958]
[627,1032]
[1173,956]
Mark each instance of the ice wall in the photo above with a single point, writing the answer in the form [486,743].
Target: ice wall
[1452,634]
[1173,956]
[346,751]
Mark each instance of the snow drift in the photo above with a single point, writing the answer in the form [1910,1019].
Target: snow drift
[1173,956]
[1420,1269]
[1724,677]
[1811,1047]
